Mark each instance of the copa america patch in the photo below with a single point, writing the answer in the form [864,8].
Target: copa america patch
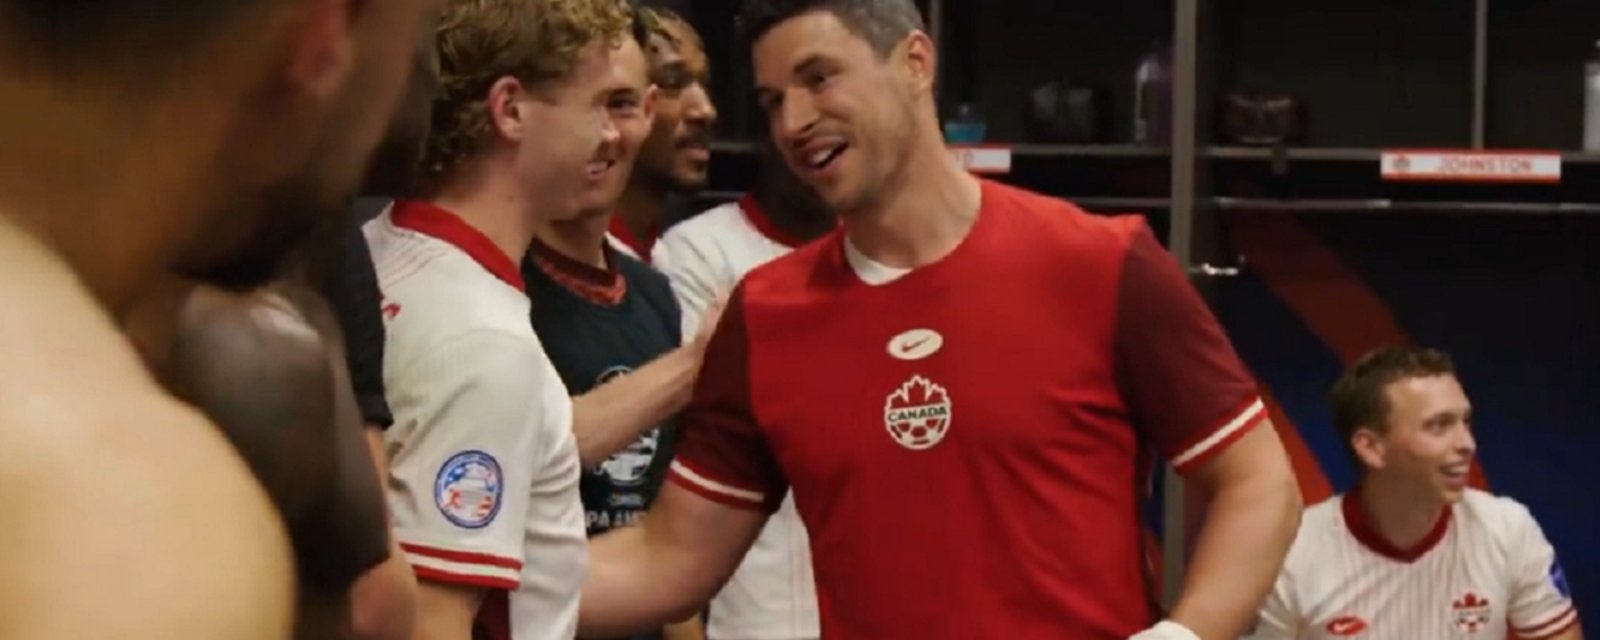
[1558,579]
[468,489]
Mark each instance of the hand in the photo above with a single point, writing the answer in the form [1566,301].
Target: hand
[1165,630]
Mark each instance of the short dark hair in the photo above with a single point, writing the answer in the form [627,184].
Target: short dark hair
[1359,399]
[78,36]
[882,23]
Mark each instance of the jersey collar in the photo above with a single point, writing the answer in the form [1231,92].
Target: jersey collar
[763,223]
[431,220]
[640,246]
[1355,517]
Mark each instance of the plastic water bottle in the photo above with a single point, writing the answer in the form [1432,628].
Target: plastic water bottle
[1591,101]
[966,127]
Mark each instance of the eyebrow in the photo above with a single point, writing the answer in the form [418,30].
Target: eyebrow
[808,64]
[675,66]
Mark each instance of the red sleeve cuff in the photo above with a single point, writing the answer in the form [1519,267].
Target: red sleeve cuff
[1550,628]
[468,568]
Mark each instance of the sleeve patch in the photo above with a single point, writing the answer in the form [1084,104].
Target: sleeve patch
[469,489]
[1558,579]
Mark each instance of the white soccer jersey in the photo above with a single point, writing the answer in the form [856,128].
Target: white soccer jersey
[483,468]
[1484,571]
[772,595]
[622,247]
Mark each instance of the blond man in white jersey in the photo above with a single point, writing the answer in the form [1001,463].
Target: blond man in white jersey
[487,446]
[483,470]
[1413,553]
[772,595]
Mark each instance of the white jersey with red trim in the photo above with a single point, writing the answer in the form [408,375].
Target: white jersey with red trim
[483,471]
[622,247]
[1485,570]
[772,595]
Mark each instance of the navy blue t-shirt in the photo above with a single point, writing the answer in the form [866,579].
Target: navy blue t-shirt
[597,325]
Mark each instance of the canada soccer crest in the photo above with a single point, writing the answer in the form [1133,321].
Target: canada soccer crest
[1472,612]
[918,414]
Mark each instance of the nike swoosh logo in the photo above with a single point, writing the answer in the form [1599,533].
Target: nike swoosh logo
[915,344]
[1347,626]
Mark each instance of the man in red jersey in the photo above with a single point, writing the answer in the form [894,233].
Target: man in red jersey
[962,386]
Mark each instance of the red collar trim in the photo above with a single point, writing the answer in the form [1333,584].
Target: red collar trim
[1355,516]
[567,266]
[431,220]
[762,222]
[640,246]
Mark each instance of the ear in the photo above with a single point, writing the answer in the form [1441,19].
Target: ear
[648,106]
[920,60]
[507,113]
[1369,447]
[321,46]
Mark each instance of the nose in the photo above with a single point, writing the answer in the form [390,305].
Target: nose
[796,115]
[697,106]
[609,133]
[1467,443]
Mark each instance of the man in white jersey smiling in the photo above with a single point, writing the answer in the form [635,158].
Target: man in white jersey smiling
[772,595]
[1413,552]
[484,468]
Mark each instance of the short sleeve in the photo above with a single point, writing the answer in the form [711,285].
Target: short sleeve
[1279,617]
[1185,386]
[1541,601]
[723,455]
[461,466]
[352,289]
[696,281]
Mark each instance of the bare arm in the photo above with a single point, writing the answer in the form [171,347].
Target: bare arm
[446,611]
[144,525]
[1252,515]
[1574,633]
[691,629]
[685,541]
[383,601]
[609,417]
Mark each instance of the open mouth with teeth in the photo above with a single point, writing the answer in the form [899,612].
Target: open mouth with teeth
[597,168]
[1456,473]
[822,158]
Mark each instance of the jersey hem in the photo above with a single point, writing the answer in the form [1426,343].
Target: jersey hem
[471,568]
[448,577]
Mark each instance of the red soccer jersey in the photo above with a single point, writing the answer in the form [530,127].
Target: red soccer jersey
[966,442]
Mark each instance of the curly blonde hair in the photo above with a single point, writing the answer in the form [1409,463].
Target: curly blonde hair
[481,41]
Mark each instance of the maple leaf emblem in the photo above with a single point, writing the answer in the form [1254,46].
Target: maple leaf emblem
[918,413]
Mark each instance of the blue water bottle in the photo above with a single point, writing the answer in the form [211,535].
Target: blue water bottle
[966,127]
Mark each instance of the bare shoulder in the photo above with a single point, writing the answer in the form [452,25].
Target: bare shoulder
[128,515]
[264,327]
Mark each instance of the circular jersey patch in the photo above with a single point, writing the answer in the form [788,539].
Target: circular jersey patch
[468,489]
